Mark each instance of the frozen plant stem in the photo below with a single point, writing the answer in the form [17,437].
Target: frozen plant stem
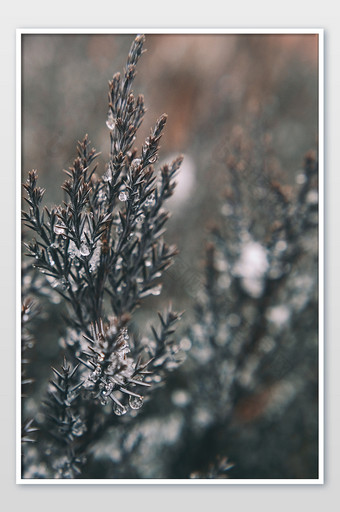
[102,252]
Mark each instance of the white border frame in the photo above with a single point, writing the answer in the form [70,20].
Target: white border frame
[320,479]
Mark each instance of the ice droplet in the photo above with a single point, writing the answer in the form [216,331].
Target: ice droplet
[101,197]
[72,250]
[51,260]
[149,200]
[95,374]
[84,249]
[78,428]
[123,196]
[101,357]
[103,399]
[151,291]
[135,402]
[107,176]
[60,283]
[110,122]
[59,230]
[95,259]
[108,389]
[119,410]
[156,290]
[135,163]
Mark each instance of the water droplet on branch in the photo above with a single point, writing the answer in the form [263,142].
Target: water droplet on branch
[135,163]
[111,121]
[72,250]
[107,176]
[84,249]
[59,230]
[50,260]
[119,410]
[135,402]
[123,196]
[103,400]
[156,290]
[78,428]
[149,200]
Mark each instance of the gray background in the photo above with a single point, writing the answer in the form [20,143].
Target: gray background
[261,14]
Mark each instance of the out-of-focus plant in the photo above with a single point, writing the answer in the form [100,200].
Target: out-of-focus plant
[255,333]
[101,251]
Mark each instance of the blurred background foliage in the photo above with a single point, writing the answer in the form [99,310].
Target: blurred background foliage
[216,89]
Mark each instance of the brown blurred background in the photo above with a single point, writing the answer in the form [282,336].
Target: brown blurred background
[207,84]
